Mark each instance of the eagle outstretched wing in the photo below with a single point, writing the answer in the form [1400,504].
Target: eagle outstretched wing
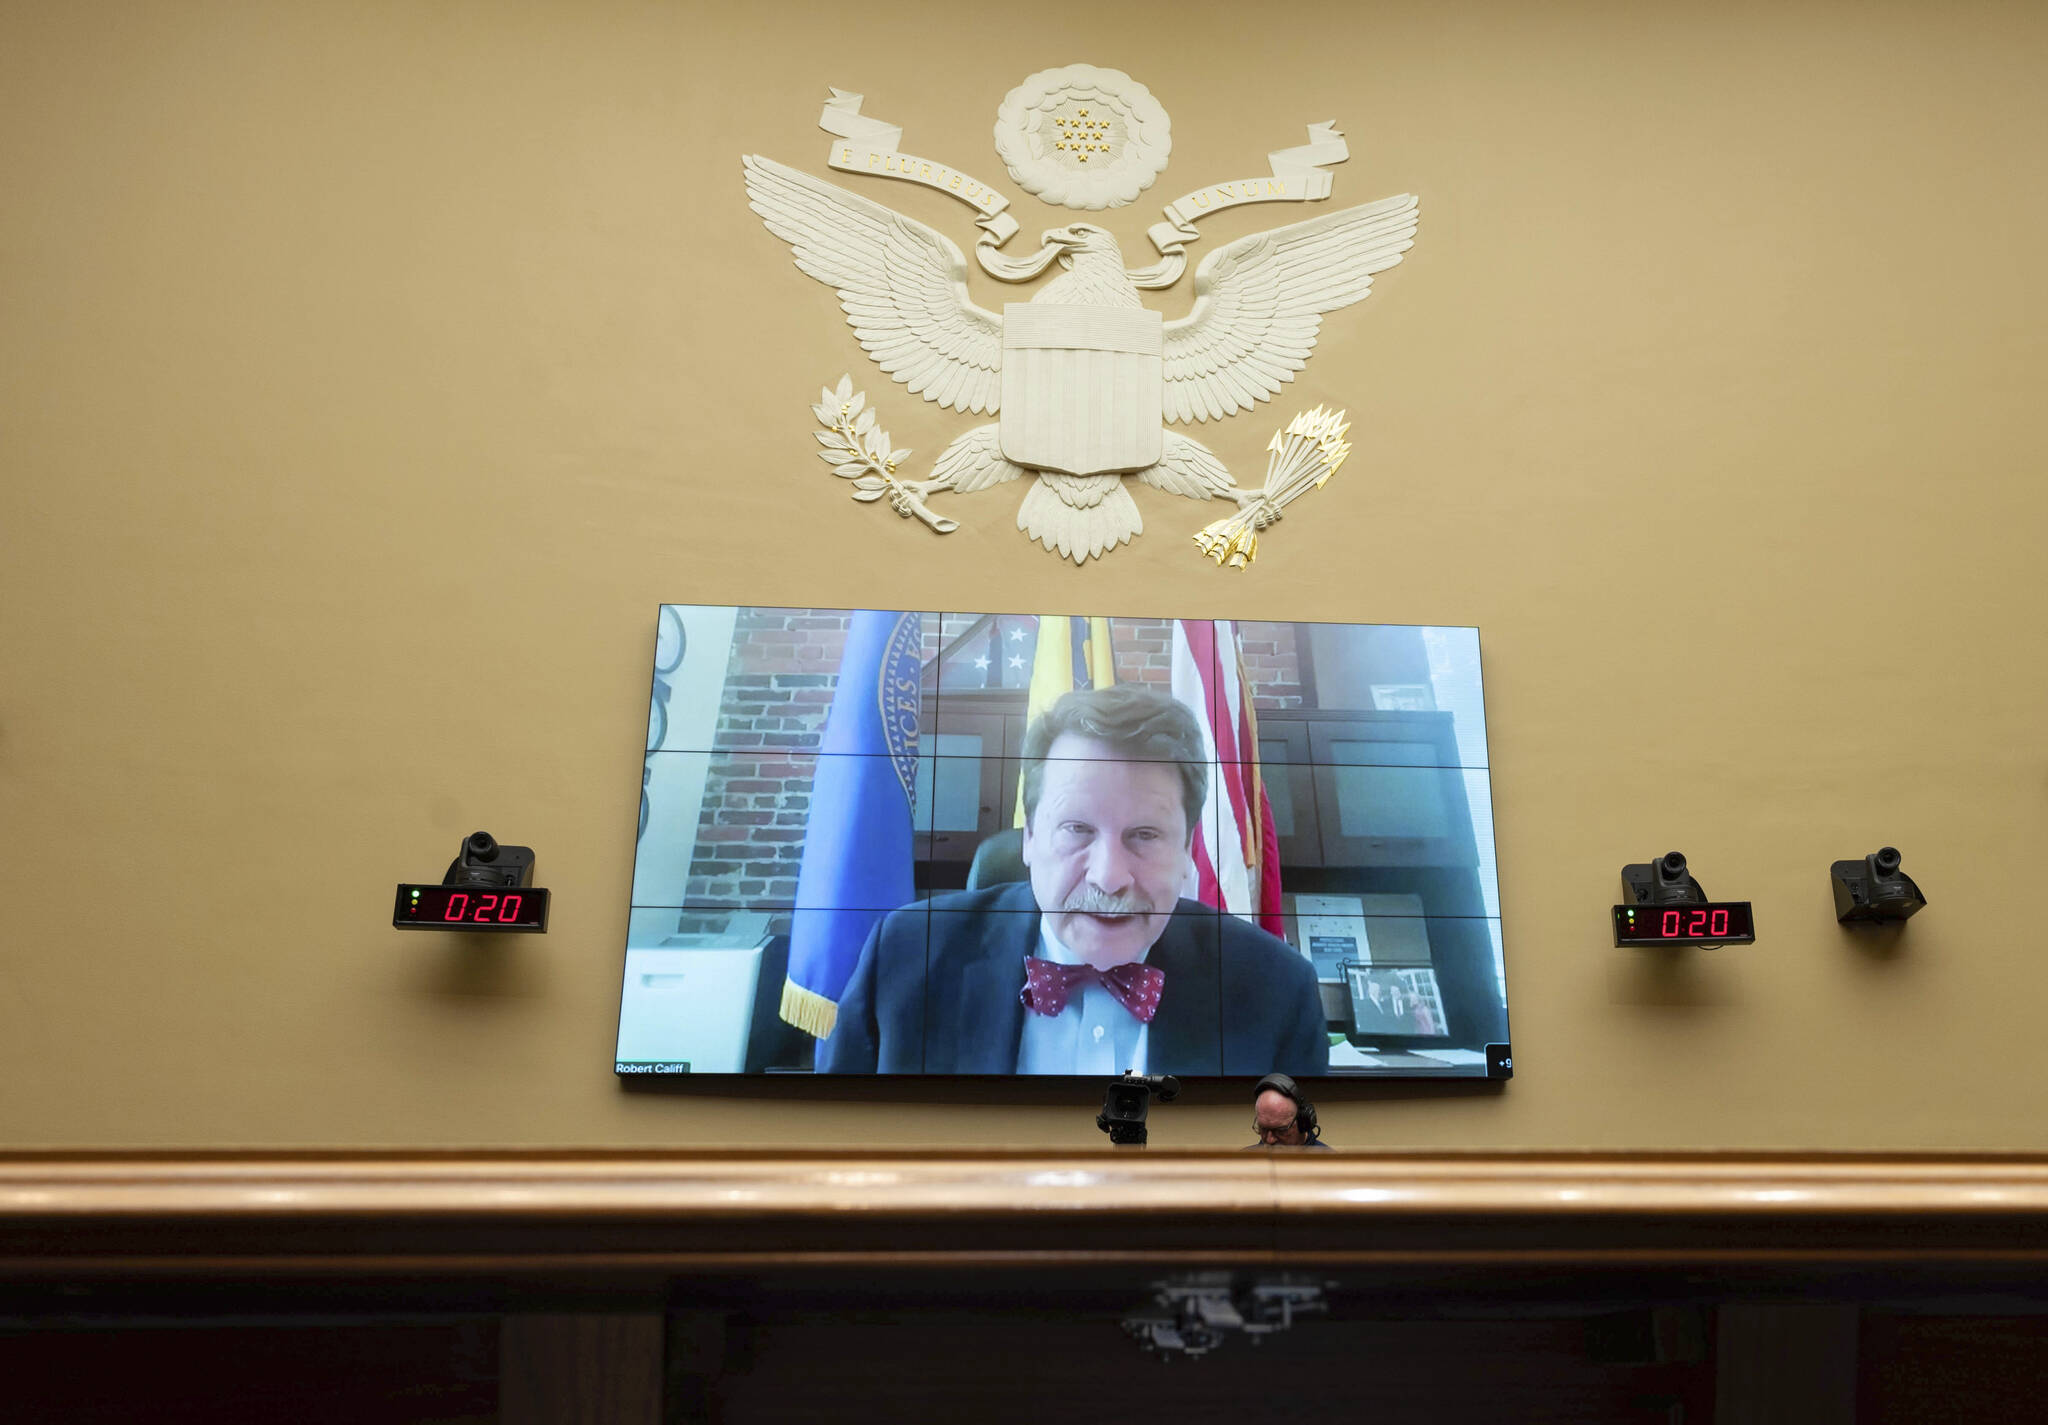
[1259,302]
[903,285]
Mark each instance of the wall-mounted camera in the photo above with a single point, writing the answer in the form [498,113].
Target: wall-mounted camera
[488,886]
[1663,905]
[1874,889]
[1127,1101]
[1664,881]
[483,861]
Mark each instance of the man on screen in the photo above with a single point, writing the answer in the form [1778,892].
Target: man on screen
[1095,965]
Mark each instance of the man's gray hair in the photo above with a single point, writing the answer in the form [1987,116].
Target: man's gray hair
[1139,724]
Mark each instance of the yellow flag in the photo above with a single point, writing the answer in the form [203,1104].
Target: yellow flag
[1071,653]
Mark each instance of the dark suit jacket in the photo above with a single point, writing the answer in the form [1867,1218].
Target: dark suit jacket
[935,992]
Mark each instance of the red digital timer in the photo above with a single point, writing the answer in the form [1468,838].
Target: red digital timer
[471,908]
[1707,923]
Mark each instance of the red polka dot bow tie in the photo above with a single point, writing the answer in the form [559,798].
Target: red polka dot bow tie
[1048,986]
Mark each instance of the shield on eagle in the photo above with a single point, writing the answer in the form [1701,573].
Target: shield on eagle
[1083,387]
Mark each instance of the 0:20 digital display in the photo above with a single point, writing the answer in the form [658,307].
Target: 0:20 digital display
[470,908]
[1712,923]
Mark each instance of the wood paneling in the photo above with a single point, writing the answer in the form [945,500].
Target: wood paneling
[281,1373]
[580,1370]
[1021,1369]
[1952,1370]
[1785,1363]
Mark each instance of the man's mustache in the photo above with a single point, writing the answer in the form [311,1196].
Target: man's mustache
[1091,901]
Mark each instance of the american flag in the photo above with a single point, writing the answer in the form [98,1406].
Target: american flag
[1237,860]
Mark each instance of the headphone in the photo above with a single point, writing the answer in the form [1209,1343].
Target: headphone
[1304,1111]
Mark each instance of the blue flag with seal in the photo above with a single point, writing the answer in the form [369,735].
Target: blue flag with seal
[857,858]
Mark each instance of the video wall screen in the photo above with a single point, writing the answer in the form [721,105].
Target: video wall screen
[980,843]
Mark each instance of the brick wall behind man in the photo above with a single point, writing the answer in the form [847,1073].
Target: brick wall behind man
[757,792]
[779,682]
[1272,663]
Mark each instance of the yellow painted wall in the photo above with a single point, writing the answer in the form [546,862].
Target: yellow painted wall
[368,373]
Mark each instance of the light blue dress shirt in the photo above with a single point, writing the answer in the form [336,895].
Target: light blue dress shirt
[1093,1035]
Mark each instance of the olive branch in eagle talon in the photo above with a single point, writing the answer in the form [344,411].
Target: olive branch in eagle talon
[858,450]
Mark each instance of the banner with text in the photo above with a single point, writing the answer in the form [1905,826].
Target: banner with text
[869,145]
[1299,175]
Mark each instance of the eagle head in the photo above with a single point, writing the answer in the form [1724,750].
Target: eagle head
[1081,238]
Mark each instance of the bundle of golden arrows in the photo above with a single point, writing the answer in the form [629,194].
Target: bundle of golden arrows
[1298,459]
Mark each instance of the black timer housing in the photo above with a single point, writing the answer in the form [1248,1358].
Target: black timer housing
[488,887]
[1707,924]
[1663,905]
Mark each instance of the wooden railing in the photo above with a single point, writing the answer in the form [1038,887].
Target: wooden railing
[726,1211]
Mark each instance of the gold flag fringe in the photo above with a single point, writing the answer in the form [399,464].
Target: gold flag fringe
[808,1010]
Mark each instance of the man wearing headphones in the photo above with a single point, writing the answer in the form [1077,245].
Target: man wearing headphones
[1282,1117]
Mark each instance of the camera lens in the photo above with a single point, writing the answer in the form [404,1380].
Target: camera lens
[1673,864]
[1887,861]
[482,846]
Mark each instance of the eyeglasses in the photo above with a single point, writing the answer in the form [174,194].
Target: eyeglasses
[1266,1129]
